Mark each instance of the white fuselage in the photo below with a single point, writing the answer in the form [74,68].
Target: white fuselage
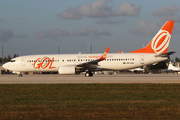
[51,62]
[173,68]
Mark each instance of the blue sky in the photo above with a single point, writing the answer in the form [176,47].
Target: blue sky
[41,26]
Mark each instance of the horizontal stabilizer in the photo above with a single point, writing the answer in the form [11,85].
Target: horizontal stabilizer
[165,54]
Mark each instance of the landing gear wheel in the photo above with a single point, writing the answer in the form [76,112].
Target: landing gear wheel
[20,75]
[88,74]
[91,74]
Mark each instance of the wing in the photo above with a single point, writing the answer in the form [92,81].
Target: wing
[93,64]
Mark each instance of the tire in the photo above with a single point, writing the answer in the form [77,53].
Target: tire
[87,74]
[20,75]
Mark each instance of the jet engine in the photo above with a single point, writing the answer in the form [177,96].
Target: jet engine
[67,70]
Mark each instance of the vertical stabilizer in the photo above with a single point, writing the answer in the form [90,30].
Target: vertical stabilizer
[160,42]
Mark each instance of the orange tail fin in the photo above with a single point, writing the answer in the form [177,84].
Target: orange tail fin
[160,42]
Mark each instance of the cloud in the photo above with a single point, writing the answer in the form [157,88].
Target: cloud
[105,33]
[168,13]
[70,13]
[54,33]
[127,9]
[5,35]
[171,17]
[96,9]
[146,28]
[89,31]
[99,9]
[108,21]
[166,10]
[41,35]
[84,31]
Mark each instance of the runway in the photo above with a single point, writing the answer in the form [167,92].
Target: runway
[118,78]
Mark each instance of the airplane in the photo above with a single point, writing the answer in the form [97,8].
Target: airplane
[139,69]
[172,68]
[67,64]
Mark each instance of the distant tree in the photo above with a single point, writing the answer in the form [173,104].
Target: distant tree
[158,66]
[161,65]
[9,58]
[14,56]
[172,60]
[5,59]
[177,59]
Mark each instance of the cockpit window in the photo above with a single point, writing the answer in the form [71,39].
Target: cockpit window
[12,61]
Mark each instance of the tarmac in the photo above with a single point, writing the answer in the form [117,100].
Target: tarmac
[100,78]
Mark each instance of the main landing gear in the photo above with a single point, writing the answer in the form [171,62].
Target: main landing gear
[88,74]
[20,75]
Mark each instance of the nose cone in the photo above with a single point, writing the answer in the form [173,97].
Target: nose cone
[5,66]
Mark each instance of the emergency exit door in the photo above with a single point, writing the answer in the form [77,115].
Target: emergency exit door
[142,59]
[23,61]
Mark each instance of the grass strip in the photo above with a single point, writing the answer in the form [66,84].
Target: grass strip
[90,101]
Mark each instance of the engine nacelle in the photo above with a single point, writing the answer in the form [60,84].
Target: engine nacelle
[16,72]
[67,70]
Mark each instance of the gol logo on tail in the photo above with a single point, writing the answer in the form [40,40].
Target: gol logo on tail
[43,64]
[160,41]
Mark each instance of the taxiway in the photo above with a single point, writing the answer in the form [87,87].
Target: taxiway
[118,78]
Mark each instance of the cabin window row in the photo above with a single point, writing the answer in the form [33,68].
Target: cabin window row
[127,59]
[42,61]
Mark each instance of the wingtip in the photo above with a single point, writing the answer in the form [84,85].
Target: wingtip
[107,50]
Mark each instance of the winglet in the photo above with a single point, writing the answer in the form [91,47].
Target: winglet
[119,51]
[103,57]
